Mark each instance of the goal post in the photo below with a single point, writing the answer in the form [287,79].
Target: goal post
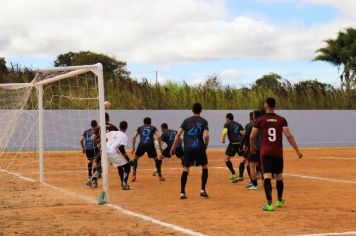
[61,90]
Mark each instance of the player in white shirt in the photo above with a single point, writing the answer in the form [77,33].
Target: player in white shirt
[115,148]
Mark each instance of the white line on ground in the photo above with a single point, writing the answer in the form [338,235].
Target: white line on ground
[330,234]
[113,206]
[332,158]
[321,178]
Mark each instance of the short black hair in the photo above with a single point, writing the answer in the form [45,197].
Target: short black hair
[164,126]
[147,121]
[197,108]
[251,115]
[123,125]
[271,102]
[230,116]
[107,117]
[94,123]
[257,113]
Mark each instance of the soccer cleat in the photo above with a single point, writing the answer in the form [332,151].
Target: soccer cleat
[182,196]
[249,185]
[102,198]
[161,178]
[238,179]
[253,187]
[233,176]
[155,173]
[204,194]
[280,203]
[268,207]
[133,179]
[125,187]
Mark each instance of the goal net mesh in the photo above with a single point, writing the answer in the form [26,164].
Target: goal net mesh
[70,104]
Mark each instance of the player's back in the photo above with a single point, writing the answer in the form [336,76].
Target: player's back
[146,133]
[168,137]
[234,131]
[271,126]
[194,128]
[114,140]
[88,141]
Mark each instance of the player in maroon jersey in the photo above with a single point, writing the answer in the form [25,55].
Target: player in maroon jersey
[272,127]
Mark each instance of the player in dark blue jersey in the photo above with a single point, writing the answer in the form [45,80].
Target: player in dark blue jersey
[234,132]
[168,136]
[147,132]
[89,146]
[196,141]
[245,143]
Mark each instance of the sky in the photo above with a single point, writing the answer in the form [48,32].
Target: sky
[237,40]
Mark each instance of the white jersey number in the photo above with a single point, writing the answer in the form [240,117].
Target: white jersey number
[272,136]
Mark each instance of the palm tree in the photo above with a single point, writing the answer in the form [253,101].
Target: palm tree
[341,52]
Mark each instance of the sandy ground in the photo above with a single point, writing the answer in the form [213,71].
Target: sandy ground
[322,205]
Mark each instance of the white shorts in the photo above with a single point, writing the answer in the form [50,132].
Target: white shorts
[116,160]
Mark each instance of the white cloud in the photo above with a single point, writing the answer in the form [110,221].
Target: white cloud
[154,31]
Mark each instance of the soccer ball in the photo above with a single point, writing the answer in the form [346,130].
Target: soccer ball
[107,104]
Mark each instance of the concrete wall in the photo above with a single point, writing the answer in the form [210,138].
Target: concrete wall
[64,128]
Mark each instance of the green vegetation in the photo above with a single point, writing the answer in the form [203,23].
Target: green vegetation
[124,92]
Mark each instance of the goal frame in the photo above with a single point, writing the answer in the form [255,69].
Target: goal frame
[96,69]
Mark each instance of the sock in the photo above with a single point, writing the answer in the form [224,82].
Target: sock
[204,178]
[268,190]
[90,167]
[231,168]
[241,169]
[280,186]
[254,182]
[248,172]
[120,170]
[158,167]
[135,163]
[183,181]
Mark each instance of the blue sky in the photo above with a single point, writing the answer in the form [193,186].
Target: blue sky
[237,40]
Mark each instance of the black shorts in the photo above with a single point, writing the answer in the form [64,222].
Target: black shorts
[233,149]
[195,157]
[167,152]
[272,164]
[143,148]
[255,158]
[92,153]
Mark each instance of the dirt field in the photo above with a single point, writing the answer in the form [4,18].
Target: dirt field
[320,192]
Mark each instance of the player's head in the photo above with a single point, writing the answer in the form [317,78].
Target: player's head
[197,108]
[164,127]
[256,114]
[147,121]
[94,124]
[229,116]
[107,117]
[251,116]
[270,103]
[123,126]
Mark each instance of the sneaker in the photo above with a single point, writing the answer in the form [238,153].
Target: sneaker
[94,184]
[249,185]
[253,187]
[280,203]
[204,194]
[233,176]
[133,179]
[238,179]
[182,196]
[268,207]
[161,178]
[125,187]
[155,173]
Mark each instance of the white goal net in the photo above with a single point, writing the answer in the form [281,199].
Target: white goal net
[42,123]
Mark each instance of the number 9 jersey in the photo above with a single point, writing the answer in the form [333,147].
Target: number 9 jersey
[271,126]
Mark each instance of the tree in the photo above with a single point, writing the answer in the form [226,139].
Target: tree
[270,81]
[341,52]
[111,66]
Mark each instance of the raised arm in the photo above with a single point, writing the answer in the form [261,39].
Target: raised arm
[179,133]
[253,135]
[292,141]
